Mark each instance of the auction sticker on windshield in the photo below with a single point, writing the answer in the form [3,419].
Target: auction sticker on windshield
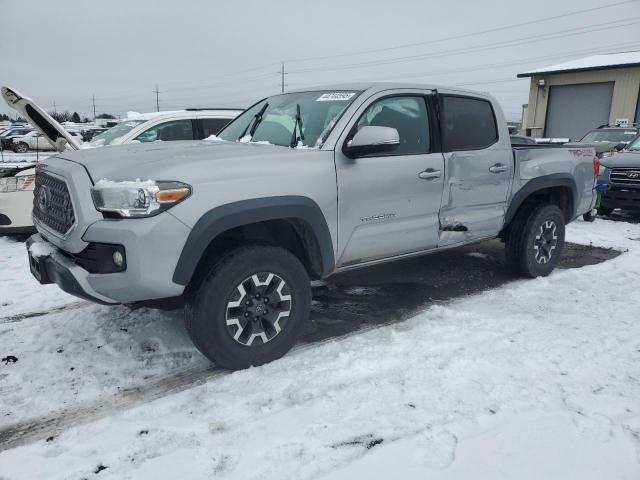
[335,96]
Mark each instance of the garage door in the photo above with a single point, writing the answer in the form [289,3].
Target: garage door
[573,110]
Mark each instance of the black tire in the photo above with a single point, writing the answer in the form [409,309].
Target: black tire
[605,211]
[589,217]
[21,147]
[535,240]
[242,344]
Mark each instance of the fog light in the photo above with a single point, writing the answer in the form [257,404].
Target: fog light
[118,259]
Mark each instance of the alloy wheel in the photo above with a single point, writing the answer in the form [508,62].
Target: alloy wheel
[258,309]
[545,241]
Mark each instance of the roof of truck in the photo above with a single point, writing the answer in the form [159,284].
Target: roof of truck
[378,86]
[594,62]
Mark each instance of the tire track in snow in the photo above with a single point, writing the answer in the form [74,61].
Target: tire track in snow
[32,430]
[23,316]
[344,310]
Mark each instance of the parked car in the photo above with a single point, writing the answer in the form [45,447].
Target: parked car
[191,124]
[620,136]
[35,141]
[16,197]
[621,173]
[6,137]
[140,128]
[300,186]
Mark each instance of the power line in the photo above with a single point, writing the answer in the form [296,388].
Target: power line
[587,29]
[466,35]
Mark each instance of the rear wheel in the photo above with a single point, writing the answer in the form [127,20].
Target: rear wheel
[20,147]
[251,308]
[535,240]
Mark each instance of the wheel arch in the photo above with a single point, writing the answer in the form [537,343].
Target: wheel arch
[559,189]
[295,222]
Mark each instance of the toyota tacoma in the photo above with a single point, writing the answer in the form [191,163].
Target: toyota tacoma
[299,187]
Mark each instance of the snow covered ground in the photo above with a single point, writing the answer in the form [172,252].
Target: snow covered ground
[535,379]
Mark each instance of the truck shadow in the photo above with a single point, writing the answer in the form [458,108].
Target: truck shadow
[395,291]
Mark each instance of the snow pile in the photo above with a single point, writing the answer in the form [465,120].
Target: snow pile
[41,249]
[536,379]
[214,138]
[137,183]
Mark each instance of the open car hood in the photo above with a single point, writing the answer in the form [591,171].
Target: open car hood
[39,119]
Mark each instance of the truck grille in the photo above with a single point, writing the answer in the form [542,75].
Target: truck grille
[52,203]
[625,176]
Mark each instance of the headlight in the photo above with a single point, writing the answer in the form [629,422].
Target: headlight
[138,198]
[601,170]
[16,184]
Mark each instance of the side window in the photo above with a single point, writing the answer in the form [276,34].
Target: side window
[408,115]
[211,126]
[168,131]
[467,124]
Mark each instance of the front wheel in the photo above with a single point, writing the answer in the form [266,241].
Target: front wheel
[251,308]
[21,147]
[535,240]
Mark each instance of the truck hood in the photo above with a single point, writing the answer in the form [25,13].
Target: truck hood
[39,119]
[170,160]
[622,160]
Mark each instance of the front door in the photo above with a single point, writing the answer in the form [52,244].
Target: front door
[388,204]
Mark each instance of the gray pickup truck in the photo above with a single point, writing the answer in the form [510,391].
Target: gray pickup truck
[300,186]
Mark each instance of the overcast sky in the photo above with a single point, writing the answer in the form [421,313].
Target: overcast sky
[213,53]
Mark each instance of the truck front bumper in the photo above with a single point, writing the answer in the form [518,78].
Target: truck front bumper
[54,267]
[151,247]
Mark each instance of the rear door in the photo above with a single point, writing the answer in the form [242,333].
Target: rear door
[478,166]
[388,204]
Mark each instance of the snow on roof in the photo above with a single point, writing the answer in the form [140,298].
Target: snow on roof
[594,62]
[150,115]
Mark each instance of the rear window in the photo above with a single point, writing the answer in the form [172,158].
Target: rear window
[467,124]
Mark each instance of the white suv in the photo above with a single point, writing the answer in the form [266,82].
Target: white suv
[191,124]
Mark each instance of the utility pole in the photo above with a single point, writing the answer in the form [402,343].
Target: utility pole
[93,98]
[282,74]
[157,98]
[55,110]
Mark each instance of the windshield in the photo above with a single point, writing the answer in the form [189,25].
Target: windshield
[319,112]
[635,145]
[615,136]
[113,133]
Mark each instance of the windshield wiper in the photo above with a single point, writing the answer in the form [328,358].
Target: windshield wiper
[297,126]
[257,118]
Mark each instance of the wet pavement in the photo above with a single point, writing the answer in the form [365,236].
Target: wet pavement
[395,291]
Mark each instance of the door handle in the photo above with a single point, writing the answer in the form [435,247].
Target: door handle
[430,174]
[498,168]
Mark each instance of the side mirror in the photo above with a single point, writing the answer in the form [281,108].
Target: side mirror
[621,146]
[372,140]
